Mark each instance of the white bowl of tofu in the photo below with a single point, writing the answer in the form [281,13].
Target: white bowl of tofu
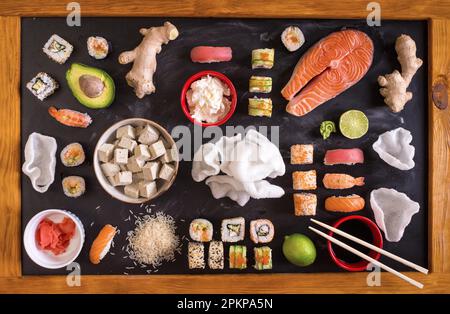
[136,160]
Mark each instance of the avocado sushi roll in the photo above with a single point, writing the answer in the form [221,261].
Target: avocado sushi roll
[238,257]
[233,229]
[201,230]
[98,47]
[58,49]
[263,258]
[73,186]
[42,85]
[263,58]
[260,84]
[72,155]
[260,107]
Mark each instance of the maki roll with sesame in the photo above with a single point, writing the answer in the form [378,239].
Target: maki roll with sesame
[73,155]
[73,186]
[42,85]
[98,47]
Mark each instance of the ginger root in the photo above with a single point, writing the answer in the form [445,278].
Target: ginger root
[143,57]
[394,85]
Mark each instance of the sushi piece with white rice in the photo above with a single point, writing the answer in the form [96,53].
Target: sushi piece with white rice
[215,255]
[72,155]
[196,255]
[98,47]
[102,243]
[73,186]
[58,49]
[201,230]
[261,231]
[42,85]
[233,229]
[292,38]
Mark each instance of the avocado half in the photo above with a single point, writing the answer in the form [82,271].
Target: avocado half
[92,87]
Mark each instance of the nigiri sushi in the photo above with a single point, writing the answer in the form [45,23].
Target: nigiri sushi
[349,156]
[338,181]
[102,243]
[344,204]
[208,54]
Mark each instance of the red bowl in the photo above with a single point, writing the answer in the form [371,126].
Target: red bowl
[198,76]
[377,241]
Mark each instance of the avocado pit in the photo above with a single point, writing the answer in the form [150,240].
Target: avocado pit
[91,86]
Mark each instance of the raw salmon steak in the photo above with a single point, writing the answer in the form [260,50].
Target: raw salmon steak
[328,68]
[344,204]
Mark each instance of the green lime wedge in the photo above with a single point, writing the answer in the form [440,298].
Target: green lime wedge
[353,124]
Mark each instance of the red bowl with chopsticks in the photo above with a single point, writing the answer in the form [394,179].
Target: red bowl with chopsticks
[377,241]
[197,76]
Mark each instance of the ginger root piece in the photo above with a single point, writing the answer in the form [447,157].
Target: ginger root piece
[144,57]
[394,85]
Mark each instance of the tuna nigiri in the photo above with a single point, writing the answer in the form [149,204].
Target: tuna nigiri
[340,181]
[349,156]
[331,66]
[102,243]
[344,204]
[208,54]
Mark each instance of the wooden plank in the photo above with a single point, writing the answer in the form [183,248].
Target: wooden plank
[10,233]
[439,152]
[245,283]
[390,9]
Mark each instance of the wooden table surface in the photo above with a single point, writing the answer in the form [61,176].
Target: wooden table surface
[437,13]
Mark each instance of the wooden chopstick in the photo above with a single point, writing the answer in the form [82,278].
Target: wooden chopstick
[372,247]
[368,258]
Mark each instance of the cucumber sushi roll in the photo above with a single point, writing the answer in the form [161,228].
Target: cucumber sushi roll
[98,47]
[58,49]
[238,257]
[263,58]
[42,85]
[72,155]
[201,230]
[260,84]
[73,186]
[260,107]
[263,258]
[233,229]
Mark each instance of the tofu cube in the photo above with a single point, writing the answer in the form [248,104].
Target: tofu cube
[132,190]
[113,181]
[127,143]
[121,156]
[105,152]
[126,131]
[302,154]
[166,172]
[149,135]
[142,152]
[139,176]
[123,167]
[165,142]
[165,158]
[157,149]
[304,180]
[305,204]
[147,188]
[135,165]
[109,169]
[150,170]
[124,178]
[173,153]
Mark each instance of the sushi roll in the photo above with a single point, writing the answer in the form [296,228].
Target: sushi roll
[261,231]
[238,257]
[98,47]
[304,180]
[196,258]
[260,107]
[201,230]
[102,243]
[263,58]
[42,85]
[292,38]
[305,204]
[302,154]
[260,84]
[58,49]
[215,255]
[233,229]
[73,186]
[72,155]
[263,258]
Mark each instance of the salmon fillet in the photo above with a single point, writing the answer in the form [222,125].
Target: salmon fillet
[331,66]
[344,204]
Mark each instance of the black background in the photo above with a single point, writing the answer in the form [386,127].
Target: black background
[186,199]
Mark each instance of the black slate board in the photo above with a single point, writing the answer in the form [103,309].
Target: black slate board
[187,200]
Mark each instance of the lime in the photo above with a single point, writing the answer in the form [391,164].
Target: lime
[353,124]
[299,249]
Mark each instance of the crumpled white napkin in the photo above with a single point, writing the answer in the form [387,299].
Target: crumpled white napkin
[245,162]
[40,161]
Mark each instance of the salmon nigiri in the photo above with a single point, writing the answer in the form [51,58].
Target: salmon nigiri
[338,181]
[344,204]
[102,244]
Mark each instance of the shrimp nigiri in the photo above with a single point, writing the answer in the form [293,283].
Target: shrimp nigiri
[102,244]
[344,204]
[338,181]
[70,117]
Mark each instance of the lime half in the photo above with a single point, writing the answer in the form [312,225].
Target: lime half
[353,124]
